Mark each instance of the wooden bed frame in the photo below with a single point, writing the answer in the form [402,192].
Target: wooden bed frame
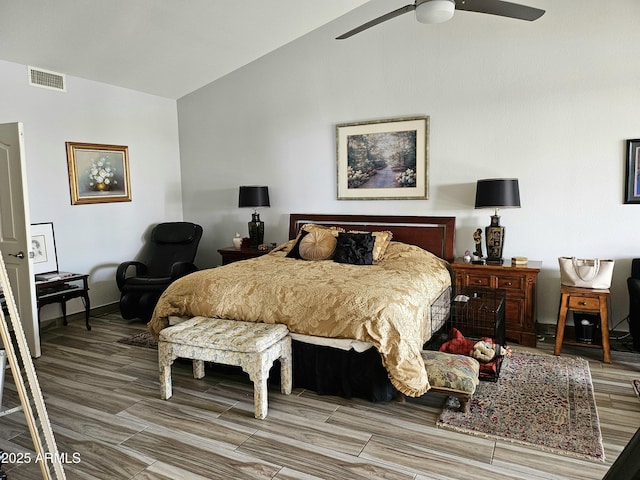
[434,234]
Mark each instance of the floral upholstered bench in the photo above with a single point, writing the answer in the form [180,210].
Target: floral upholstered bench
[252,346]
[453,375]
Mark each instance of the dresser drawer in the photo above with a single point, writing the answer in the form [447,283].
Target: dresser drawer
[477,280]
[583,303]
[511,282]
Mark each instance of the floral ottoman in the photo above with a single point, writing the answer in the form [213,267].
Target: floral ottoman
[252,346]
[453,375]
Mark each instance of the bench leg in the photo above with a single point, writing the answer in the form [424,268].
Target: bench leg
[198,369]
[165,360]
[286,366]
[257,366]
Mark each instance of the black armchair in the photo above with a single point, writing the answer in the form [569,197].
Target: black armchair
[169,256]
[633,282]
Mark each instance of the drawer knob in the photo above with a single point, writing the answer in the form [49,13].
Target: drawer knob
[508,284]
[582,303]
[478,281]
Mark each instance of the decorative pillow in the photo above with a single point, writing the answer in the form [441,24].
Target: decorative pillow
[317,245]
[354,248]
[382,241]
[305,229]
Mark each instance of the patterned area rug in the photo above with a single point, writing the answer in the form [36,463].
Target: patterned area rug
[142,339]
[541,401]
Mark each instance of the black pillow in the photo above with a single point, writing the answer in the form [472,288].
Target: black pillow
[354,248]
[295,251]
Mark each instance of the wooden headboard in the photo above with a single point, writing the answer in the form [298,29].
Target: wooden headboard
[434,234]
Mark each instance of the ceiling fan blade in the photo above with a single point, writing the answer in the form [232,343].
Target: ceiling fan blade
[376,21]
[498,7]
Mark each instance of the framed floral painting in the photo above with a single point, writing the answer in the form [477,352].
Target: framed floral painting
[383,159]
[98,173]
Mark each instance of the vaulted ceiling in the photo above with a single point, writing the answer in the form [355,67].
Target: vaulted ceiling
[163,47]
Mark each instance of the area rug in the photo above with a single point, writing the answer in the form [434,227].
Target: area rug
[142,339]
[542,401]
[636,386]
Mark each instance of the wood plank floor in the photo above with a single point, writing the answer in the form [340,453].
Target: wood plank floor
[103,402]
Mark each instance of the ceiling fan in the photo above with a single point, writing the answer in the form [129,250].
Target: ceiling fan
[438,11]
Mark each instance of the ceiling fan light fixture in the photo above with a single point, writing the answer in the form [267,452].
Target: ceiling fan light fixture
[435,11]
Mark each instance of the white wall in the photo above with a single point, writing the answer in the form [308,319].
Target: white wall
[95,238]
[550,102]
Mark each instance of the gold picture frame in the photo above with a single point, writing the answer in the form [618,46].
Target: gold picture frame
[383,159]
[98,173]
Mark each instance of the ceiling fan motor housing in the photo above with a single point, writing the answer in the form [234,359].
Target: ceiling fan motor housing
[435,11]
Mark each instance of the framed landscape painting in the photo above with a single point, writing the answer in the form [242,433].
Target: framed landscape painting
[632,183]
[384,159]
[98,173]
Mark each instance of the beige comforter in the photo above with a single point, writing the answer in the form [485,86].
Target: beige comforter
[386,304]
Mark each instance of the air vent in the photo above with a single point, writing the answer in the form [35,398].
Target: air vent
[47,79]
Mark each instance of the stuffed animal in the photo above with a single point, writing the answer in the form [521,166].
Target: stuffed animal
[485,351]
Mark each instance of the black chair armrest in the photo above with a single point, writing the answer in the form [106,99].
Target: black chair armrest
[121,272]
[180,269]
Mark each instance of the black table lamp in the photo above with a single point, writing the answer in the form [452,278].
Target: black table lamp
[252,196]
[496,193]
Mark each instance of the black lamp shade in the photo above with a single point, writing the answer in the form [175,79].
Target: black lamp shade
[253,196]
[498,193]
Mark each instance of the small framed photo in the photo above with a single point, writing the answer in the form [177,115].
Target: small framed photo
[98,173]
[43,248]
[383,159]
[632,184]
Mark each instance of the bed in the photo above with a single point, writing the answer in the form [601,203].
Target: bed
[358,329]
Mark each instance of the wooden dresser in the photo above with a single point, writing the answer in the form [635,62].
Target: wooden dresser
[519,284]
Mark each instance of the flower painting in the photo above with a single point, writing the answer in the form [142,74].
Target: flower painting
[385,159]
[98,173]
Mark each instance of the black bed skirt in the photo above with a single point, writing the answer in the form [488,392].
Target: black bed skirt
[343,373]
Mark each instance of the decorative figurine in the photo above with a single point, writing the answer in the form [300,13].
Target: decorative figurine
[477,237]
[467,256]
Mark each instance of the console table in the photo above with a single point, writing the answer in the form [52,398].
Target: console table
[62,289]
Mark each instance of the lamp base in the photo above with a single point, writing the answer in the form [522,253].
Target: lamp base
[495,241]
[256,230]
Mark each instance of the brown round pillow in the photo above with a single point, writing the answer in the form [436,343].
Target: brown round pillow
[318,245]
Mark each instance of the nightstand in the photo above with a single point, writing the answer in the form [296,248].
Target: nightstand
[232,254]
[589,300]
[519,284]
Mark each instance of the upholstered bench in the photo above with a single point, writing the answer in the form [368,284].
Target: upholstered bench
[252,346]
[453,375]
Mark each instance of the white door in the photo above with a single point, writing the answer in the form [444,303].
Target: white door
[15,237]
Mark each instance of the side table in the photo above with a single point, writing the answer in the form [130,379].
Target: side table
[232,254]
[583,300]
[63,289]
[519,284]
